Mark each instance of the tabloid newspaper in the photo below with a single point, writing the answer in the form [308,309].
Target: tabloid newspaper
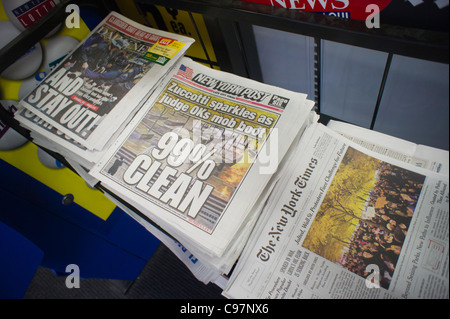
[197,265]
[348,223]
[106,77]
[199,154]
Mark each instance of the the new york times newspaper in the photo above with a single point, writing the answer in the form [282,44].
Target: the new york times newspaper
[200,152]
[348,223]
[106,76]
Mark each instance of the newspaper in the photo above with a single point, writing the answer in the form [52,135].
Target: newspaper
[199,154]
[102,83]
[348,223]
[424,156]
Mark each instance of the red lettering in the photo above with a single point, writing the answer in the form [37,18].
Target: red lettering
[312,5]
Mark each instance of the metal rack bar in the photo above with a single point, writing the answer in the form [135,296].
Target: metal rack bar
[417,43]
[381,91]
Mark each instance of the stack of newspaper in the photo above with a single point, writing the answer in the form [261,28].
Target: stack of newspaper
[86,101]
[198,157]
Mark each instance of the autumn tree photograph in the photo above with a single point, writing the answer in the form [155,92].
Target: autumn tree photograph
[365,214]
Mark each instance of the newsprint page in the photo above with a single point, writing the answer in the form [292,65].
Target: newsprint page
[348,223]
[198,155]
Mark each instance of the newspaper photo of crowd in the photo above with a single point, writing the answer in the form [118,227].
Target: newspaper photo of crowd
[108,60]
[366,225]
[379,240]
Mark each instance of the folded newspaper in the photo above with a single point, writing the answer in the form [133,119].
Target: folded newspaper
[198,156]
[349,222]
[100,85]
[424,156]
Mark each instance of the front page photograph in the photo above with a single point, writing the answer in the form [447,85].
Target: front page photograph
[99,85]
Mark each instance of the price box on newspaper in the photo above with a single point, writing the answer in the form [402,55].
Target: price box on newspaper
[163,50]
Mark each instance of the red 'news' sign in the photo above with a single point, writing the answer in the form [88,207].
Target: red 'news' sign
[353,9]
